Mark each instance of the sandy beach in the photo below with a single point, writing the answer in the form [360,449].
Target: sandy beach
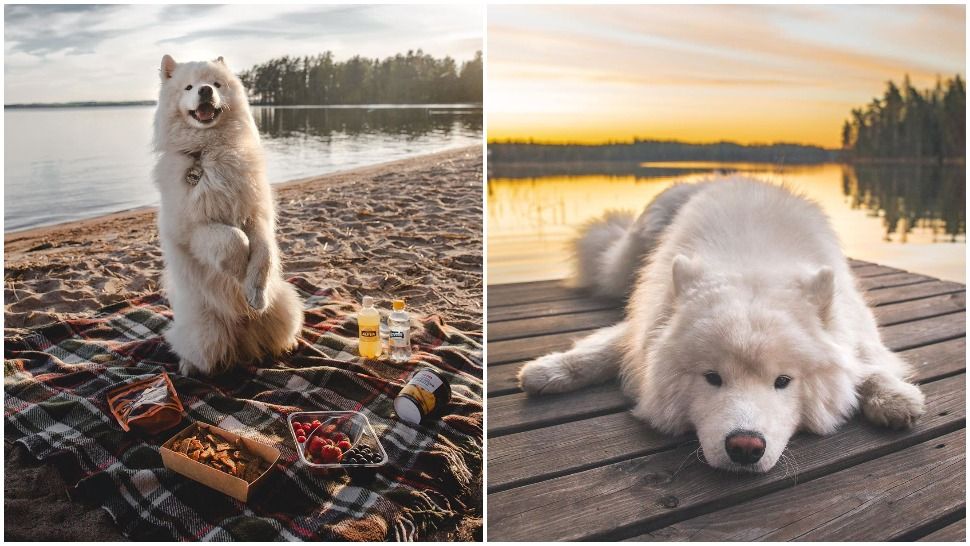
[409,228]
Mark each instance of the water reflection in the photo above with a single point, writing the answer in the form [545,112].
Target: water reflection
[907,197]
[325,122]
[911,217]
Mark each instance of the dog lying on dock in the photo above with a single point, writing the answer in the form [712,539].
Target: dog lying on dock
[744,323]
[217,224]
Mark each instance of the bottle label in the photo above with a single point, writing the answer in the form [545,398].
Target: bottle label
[398,337]
[368,333]
[421,388]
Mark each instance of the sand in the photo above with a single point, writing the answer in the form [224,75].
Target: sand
[410,228]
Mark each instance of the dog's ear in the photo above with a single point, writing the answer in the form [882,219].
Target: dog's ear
[220,60]
[820,289]
[686,273]
[168,66]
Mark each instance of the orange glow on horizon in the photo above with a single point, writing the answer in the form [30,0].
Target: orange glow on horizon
[706,73]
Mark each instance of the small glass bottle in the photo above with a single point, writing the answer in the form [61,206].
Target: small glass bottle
[368,324]
[399,324]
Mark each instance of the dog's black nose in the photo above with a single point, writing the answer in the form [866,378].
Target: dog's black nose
[745,446]
[205,91]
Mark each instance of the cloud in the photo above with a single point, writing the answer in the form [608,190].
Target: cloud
[66,53]
[690,68]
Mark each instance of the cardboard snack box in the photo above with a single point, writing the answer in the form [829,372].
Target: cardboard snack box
[236,488]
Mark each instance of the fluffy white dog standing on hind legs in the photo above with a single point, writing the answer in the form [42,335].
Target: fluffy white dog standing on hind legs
[744,324]
[216,224]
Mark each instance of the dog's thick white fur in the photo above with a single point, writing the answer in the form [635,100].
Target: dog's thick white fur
[222,274]
[745,280]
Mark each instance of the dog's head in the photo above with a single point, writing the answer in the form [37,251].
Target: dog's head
[199,95]
[747,362]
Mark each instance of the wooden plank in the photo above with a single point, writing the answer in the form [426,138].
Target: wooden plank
[508,414]
[531,327]
[528,292]
[900,337]
[513,350]
[551,308]
[637,495]
[888,281]
[954,532]
[539,454]
[912,292]
[874,270]
[918,309]
[872,501]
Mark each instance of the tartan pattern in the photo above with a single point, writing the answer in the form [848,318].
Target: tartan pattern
[56,378]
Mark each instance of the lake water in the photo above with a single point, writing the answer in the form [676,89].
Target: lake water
[63,164]
[910,217]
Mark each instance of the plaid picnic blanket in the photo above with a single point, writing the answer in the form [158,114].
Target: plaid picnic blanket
[56,378]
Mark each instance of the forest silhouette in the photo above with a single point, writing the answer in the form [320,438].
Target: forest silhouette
[907,124]
[411,78]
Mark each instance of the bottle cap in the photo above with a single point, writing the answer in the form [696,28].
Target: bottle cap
[398,305]
[368,301]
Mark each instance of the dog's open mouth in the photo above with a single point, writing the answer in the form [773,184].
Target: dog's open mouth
[205,113]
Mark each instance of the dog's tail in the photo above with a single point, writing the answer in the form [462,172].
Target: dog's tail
[610,250]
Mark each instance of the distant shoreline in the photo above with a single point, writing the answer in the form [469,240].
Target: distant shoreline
[109,104]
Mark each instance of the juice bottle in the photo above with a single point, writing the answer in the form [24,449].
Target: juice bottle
[368,324]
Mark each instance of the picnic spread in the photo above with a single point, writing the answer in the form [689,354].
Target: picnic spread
[400,481]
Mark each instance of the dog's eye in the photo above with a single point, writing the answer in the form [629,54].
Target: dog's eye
[217,84]
[782,381]
[188,87]
[713,378]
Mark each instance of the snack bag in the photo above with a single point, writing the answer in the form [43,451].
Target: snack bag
[151,405]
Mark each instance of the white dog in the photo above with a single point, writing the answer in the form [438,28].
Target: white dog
[216,224]
[744,324]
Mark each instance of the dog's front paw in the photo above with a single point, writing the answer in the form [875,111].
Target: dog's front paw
[546,375]
[187,368]
[256,297]
[895,404]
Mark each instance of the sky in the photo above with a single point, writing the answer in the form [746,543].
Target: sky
[703,73]
[63,53]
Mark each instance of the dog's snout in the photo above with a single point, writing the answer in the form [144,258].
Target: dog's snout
[745,446]
[205,91]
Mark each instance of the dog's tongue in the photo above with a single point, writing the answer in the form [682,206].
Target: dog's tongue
[205,112]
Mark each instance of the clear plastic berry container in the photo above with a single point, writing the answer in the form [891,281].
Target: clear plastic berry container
[365,449]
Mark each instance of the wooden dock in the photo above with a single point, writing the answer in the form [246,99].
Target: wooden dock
[578,466]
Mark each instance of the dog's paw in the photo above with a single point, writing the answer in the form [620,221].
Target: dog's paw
[546,375]
[897,405]
[256,297]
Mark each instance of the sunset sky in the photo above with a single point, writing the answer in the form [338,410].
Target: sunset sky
[706,73]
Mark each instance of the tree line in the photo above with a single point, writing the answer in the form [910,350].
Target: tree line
[411,78]
[906,123]
[640,151]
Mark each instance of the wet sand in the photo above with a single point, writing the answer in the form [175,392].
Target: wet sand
[409,228]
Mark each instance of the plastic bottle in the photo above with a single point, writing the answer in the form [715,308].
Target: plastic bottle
[368,324]
[400,333]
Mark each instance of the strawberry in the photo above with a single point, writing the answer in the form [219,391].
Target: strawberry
[340,437]
[316,445]
[301,438]
[344,445]
[331,454]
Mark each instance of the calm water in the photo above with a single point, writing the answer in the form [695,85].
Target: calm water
[910,217]
[63,164]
